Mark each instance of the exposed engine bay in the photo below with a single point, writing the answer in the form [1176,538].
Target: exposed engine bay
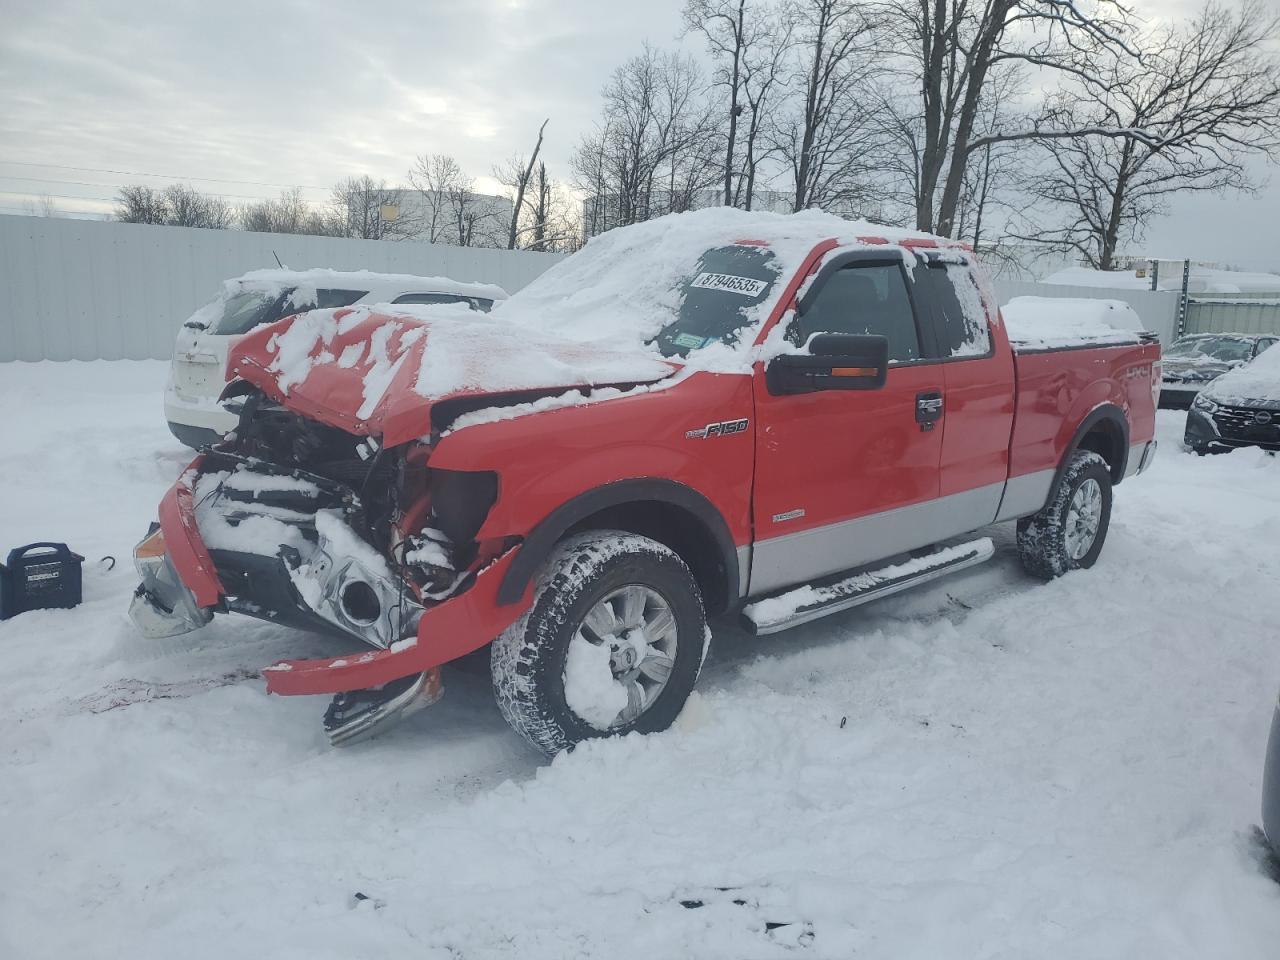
[316,528]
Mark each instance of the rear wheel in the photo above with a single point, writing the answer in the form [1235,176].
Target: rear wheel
[1069,532]
[612,644]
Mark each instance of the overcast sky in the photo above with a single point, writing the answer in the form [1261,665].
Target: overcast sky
[291,92]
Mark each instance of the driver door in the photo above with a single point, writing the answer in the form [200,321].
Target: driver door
[844,478]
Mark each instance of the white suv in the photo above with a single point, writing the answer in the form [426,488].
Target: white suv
[198,374]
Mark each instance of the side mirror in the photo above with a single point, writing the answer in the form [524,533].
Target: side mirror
[836,361]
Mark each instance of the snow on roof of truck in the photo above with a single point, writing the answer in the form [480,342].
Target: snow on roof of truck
[1044,323]
[624,285]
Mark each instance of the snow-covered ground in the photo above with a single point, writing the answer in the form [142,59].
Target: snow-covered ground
[990,767]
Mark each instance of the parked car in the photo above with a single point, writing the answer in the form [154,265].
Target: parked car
[1271,785]
[198,373]
[674,423]
[1194,362]
[1239,409]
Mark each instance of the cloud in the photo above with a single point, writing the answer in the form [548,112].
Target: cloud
[308,92]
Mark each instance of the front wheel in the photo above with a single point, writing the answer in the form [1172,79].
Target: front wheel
[1069,532]
[612,644]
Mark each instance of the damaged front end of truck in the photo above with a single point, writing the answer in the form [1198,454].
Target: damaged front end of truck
[322,511]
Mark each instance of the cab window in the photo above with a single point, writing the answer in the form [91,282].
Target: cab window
[331,299]
[475,303]
[865,299]
[959,315]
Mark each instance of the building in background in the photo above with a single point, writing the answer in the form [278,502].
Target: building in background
[460,218]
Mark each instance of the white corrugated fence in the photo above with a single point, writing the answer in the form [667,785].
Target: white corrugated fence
[90,290]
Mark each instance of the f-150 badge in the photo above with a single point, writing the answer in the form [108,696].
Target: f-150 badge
[722,429]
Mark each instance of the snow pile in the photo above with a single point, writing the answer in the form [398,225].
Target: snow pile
[1257,380]
[1042,323]
[987,767]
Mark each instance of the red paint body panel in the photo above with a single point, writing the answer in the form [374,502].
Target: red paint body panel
[186,550]
[1057,390]
[978,408]
[843,454]
[446,632]
[545,459]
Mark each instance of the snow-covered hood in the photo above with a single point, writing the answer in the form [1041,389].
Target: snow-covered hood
[1254,384]
[378,371]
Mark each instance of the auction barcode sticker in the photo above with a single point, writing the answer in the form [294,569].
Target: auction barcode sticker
[723,281]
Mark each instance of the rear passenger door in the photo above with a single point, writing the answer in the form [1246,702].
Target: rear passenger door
[978,384]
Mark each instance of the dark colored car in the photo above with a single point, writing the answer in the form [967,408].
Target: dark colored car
[1271,785]
[1239,409]
[1195,361]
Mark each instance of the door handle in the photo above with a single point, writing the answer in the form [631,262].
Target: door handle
[928,409]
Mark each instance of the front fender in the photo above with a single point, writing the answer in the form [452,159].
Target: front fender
[547,458]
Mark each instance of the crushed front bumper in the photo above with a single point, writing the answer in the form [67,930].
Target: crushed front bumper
[182,589]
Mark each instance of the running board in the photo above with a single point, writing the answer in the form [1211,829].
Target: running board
[802,604]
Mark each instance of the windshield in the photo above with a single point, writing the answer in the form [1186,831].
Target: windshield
[1226,349]
[246,310]
[717,299]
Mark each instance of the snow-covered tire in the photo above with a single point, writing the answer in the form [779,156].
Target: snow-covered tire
[1050,542]
[586,570]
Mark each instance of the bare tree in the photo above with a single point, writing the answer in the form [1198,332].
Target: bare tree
[826,140]
[748,43]
[290,213]
[950,50]
[177,205]
[475,219]
[41,206]
[552,225]
[1205,97]
[517,175]
[137,204]
[723,24]
[656,147]
[435,177]
[187,207]
[764,84]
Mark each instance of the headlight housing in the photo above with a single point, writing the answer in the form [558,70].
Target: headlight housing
[1204,403]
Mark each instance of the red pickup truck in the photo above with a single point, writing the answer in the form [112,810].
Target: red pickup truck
[713,414]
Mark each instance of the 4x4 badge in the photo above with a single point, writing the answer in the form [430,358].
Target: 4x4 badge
[722,429]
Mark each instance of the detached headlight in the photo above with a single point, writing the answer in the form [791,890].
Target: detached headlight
[1204,403]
